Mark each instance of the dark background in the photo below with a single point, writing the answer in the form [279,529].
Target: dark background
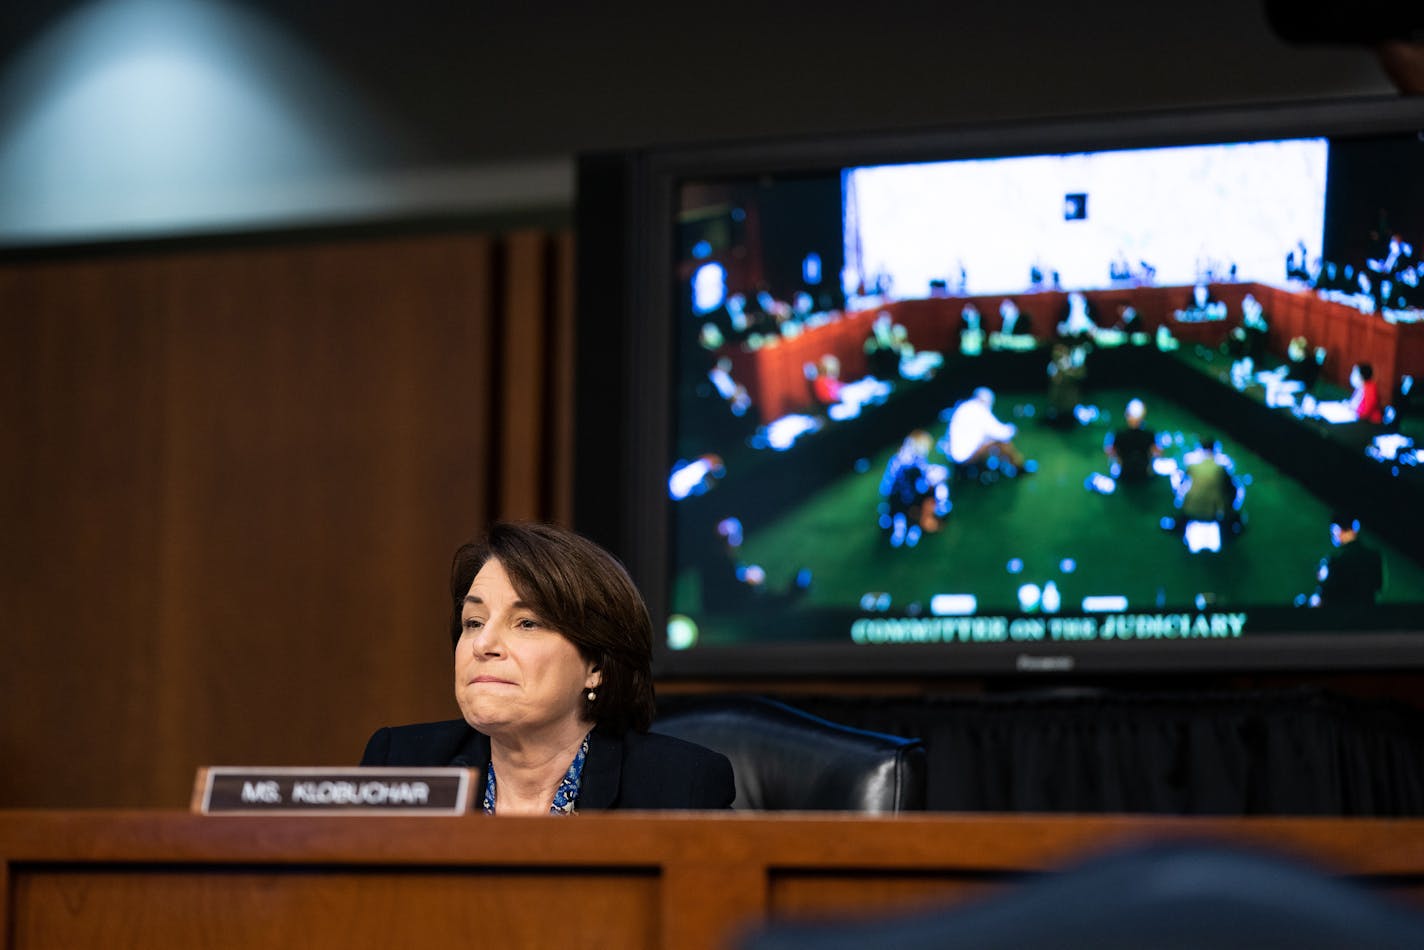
[440,93]
[271,344]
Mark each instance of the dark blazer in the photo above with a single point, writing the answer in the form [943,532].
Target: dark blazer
[634,770]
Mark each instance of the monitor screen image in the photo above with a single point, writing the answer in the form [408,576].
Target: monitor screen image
[996,407]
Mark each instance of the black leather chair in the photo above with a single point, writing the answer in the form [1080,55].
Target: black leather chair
[789,760]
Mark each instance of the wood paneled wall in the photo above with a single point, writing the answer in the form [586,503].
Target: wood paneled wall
[231,480]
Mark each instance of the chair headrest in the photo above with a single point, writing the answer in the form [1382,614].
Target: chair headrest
[785,758]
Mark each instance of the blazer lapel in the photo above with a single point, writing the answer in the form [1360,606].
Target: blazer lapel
[602,772]
[474,753]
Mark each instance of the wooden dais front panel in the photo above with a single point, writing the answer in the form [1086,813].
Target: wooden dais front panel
[685,881]
[77,908]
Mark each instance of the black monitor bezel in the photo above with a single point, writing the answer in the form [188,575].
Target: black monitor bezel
[625,365]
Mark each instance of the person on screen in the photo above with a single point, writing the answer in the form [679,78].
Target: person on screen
[882,350]
[1203,306]
[1207,489]
[827,385]
[1293,382]
[840,399]
[889,354]
[1067,369]
[1354,574]
[882,284]
[916,491]
[1254,330]
[1302,366]
[1365,399]
[971,332]
[553,674]
[1133,447]
[1078,319]
[1035,275]
[1120,268]
[1405,401]
[1406,290]
[914,364]
[1392,257]
[731,392]
[1013,321]
[976,436]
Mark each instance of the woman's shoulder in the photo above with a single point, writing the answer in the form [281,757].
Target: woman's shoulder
[666,772]
[424,743]
[668,748]
[644,751]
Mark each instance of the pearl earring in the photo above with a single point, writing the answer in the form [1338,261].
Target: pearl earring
[592,695]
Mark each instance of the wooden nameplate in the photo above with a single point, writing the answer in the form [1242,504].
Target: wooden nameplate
[257,790]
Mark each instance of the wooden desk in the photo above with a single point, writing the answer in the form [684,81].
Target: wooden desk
[168,879]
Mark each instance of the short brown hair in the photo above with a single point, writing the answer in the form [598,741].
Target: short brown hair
[583,592]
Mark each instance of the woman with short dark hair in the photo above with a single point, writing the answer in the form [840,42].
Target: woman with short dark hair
[1365,399]
[553,673]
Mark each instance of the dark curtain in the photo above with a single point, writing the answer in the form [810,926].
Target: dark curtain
[1294,752]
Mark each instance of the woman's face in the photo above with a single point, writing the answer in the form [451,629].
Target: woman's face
[515,678]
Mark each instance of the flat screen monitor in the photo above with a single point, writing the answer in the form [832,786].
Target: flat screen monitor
[1132,393]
